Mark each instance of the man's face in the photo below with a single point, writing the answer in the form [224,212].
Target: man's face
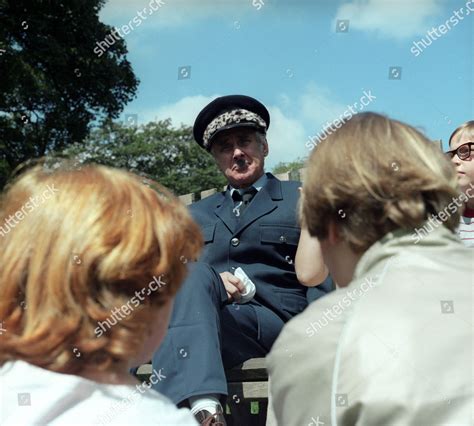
[464,168]
[240,155]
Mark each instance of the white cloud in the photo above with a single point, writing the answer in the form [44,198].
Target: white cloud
[318,106]
[399,19]
[173,13]
[286,137]
[183,111]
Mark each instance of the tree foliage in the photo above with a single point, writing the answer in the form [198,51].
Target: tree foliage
[290,166]
[157,150]
[53,86]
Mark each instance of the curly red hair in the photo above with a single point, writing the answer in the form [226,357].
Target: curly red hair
[102,235]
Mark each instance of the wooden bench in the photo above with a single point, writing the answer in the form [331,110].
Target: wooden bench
[247,399]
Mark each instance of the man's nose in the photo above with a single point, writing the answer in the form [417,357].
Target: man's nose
[238,152]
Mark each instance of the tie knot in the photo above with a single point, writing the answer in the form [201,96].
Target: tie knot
[244,194]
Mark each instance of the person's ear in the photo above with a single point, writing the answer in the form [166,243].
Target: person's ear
[334,235]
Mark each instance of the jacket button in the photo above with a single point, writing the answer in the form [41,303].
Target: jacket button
[235,241]
[282,239]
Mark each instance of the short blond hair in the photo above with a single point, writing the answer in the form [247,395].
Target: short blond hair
[372,176]
[467,127]
[103,235]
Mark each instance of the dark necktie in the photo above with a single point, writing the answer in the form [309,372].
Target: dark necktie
[242,200]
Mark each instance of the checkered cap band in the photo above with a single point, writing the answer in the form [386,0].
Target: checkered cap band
[231,117]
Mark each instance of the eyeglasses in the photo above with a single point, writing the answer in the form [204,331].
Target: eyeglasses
[462,151]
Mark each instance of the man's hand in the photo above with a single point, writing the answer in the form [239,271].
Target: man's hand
[233,285]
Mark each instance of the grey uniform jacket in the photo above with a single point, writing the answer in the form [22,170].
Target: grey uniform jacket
[263,241]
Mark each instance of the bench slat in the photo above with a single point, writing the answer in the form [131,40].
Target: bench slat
[145,369]
[247,390]
[251,370]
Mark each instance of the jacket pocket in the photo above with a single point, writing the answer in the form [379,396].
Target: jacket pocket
[279,234]
[292,303]
[208,233]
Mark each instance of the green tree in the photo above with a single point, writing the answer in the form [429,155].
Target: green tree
[291,166]
[53,87]
[157,150]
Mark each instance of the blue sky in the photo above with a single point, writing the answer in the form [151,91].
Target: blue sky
[302,62]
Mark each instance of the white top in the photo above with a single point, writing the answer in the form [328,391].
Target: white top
[466,231]
[30,395]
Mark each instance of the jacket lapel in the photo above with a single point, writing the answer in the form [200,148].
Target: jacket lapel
[224,211]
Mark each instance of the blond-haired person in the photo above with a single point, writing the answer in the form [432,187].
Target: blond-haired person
[87,279]
[461,144]
[393,344]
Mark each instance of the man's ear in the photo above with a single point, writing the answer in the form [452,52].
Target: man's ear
[334,235]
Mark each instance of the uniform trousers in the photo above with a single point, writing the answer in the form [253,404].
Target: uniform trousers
[208,335]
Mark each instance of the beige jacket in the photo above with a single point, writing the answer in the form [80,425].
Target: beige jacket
[395,347]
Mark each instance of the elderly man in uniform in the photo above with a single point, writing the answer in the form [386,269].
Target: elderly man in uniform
[252,225]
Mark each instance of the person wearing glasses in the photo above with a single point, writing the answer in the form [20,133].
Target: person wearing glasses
[461,144]
[393,344]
